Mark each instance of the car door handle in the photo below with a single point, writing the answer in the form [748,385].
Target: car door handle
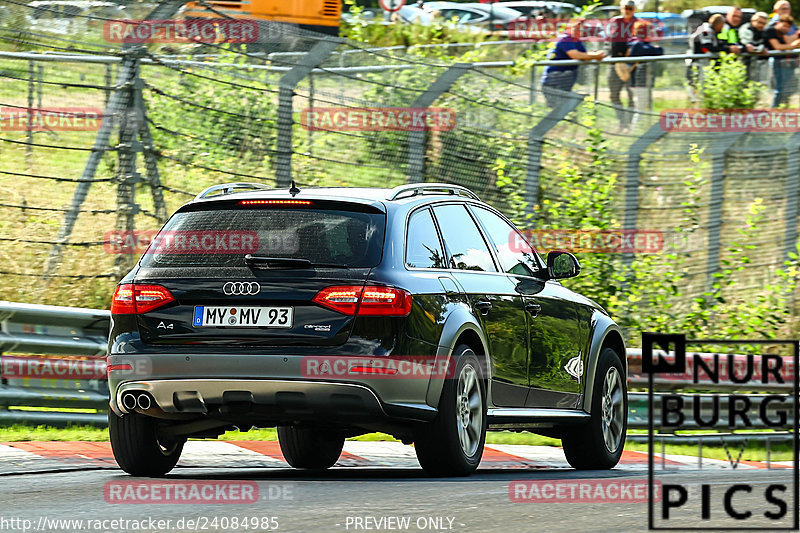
[533,308]
[484,306]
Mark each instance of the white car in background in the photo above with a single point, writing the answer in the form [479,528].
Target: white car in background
[72,16]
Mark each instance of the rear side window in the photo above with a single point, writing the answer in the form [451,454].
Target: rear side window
[222,237]
[423,249]
[464,242]
[515,254]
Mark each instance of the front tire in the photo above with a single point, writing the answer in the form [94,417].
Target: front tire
[452,444]
[598,444]
[309,447]
[137,448]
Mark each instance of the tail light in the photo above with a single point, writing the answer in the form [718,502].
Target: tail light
[131,298]
[365,301]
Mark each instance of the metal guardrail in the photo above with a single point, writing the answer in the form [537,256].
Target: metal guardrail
[79,336]
[76,332]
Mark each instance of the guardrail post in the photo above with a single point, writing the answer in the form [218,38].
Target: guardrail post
[718,152]
[535,142]
[416,139]
[289,81]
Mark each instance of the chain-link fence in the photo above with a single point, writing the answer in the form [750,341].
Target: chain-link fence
[98,139]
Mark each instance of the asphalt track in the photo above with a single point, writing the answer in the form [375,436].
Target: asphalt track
[375,487]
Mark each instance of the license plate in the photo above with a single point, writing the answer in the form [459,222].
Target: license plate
[243,317]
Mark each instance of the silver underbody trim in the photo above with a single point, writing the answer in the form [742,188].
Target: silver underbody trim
[213,390]
[522,412]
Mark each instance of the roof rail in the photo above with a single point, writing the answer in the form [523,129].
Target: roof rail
[230,188]
[414,189]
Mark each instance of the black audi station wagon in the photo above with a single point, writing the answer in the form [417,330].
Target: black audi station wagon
[417,311]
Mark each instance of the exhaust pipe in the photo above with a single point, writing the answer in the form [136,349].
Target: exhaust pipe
[129,401]
[143,401]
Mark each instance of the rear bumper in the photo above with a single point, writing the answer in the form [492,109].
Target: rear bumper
[263,388]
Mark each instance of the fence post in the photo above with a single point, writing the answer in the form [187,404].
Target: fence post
[632,173]
[416,139]
[790,193]
[151,165]
[532,97]
[289,81]
[29,124]
[116,104]
[127,176]
[535,143]
[39,79]
[597,80]
[107,83]
[718,152]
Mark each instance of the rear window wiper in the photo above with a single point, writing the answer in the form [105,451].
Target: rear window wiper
[260,261]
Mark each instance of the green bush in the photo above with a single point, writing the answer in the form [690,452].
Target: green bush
[725,85]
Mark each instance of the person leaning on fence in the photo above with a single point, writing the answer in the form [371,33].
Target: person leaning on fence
[782,7]
[776,37]
[557,78]
[704,40]
[641,74]
[751,37]
[730,30]
[620,31]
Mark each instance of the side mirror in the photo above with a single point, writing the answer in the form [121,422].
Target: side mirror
[561,264]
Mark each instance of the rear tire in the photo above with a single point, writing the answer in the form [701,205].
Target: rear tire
[137,448]
[598,444]
[309,447]
[452,444]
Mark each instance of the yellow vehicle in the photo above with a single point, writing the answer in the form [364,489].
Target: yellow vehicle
[315,15]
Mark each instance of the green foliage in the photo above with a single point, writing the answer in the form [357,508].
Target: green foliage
[582,197]
[399,33]
[651,293]
[726,85]
[235,128]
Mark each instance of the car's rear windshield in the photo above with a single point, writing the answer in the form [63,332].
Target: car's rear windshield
[222,237]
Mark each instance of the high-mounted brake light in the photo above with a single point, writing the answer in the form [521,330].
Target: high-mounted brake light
[365,301]
[275,202]
[131,298]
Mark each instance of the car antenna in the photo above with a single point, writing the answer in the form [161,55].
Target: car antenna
[293,190]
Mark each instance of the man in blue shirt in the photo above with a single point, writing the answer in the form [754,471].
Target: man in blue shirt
[558,78]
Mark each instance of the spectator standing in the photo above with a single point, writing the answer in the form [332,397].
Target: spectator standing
[620,31]
[782,7]
[642,75]
[776,37]
[751,37]
[704,40]
[557,78]
[733,20]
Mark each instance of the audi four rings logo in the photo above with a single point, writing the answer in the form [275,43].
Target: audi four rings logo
[241,288]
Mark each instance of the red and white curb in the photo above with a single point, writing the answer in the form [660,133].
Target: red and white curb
[31,457]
